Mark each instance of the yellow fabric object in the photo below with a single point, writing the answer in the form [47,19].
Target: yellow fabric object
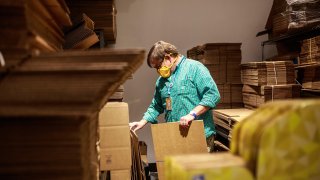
[281,140]
[224,166]
[165,71]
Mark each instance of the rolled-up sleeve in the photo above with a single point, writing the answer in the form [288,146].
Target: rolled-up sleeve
[155,108]
[206,87]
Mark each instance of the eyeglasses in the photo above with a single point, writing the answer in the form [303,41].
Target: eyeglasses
[157,63]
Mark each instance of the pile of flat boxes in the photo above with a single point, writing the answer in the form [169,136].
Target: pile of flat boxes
[268,81]
[223,61]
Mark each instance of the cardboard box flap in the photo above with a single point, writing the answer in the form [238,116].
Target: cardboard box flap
[171,139]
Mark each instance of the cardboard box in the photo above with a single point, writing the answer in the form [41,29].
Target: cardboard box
[143,148]
[114,136]
[115,158]
[206,166]
[160,170]
[121,174]
[137,165]
[222,60]
[114,113]
[115,143]
[171,139]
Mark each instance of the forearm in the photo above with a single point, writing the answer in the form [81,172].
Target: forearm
[200,109]
[153,111]
[134,126]
[194,113]
[143,121]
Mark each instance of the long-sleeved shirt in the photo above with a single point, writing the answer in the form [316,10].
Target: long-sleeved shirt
[189,85]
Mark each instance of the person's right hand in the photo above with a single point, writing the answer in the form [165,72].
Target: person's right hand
[134,126]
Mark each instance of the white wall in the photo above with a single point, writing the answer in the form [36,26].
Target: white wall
[184,23]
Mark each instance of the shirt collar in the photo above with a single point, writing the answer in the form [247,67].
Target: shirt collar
[181,61]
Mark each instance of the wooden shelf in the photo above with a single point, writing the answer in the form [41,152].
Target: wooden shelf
[306,65]
[294,36]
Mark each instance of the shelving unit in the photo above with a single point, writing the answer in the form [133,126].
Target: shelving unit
[293,36]
[296,35]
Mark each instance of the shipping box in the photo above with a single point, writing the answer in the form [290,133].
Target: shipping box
[115,158]
[172,139]
[115,143]
[114,113]
[222,166]
[121,174]
[114,136]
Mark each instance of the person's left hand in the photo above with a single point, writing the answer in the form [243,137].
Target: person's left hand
[185,121]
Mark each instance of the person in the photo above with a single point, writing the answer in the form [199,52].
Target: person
[185,91]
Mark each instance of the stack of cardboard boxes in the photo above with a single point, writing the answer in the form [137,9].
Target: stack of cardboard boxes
[225,120]
[103,13]
[115,143]
[268,81]
[309,67]
[223,62]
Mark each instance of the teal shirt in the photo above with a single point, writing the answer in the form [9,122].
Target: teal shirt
[189,85]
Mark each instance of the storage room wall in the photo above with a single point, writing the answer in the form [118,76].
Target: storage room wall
[184,23]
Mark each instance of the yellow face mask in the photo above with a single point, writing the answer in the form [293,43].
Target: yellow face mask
[165,71]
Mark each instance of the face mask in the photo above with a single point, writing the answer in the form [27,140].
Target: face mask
[165,71]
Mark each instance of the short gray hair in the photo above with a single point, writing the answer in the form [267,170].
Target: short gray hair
[159,50]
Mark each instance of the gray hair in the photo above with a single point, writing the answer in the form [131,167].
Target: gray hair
[159,50]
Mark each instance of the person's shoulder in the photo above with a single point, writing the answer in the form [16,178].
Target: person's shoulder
[194,63]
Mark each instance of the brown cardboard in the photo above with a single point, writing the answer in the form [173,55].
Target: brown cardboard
[207,166]
[231,96]
[160,170]
[170,139]
[114,113]
[137,165]
[143,148]
[114,136]
[121,174]
[115,158]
